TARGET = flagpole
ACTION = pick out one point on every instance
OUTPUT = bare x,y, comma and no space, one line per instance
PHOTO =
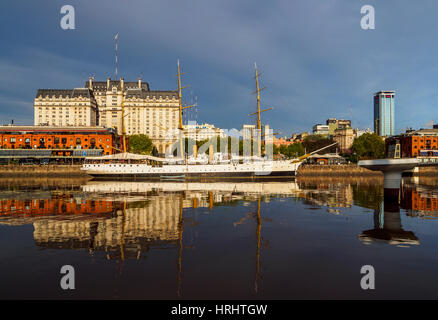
117,52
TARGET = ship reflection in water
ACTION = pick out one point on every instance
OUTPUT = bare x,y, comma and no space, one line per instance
218,240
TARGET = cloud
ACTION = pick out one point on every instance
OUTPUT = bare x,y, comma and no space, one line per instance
316,61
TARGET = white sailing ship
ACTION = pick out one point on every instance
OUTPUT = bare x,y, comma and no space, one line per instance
134,166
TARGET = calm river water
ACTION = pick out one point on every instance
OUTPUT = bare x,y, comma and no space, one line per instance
306,238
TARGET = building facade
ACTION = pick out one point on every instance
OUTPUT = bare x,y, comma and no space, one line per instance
321,129
65,107
282,142
153,113
384,116
60,144
345,138
359,132
413,144
334,124
199,132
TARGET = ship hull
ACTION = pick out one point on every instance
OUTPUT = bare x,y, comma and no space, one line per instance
279,175
261,171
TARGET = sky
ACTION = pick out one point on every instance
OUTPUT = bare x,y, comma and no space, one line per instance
316,60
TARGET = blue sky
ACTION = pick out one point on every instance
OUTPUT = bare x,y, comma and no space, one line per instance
315,59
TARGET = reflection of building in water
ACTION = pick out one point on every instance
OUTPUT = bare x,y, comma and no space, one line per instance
328,194
125,235
54,205
419,199
340,196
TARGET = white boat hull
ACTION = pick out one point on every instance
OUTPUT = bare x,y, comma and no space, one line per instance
252,170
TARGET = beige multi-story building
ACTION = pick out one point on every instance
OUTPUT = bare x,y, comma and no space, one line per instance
345,138
68,107
199,132
334,124
153,113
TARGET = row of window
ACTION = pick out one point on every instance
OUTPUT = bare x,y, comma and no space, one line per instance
55,140
19,146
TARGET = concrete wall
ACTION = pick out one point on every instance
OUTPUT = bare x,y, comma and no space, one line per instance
41,170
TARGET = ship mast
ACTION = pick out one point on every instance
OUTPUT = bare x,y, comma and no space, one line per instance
259,122
181,108
180,124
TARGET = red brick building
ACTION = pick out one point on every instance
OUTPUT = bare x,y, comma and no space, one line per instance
412,144
58,138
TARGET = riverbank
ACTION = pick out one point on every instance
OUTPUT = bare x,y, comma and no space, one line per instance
347,170
55,171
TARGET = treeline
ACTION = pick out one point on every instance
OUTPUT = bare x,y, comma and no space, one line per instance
367,146
311,143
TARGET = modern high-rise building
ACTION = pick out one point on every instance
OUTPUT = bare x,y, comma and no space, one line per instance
384,120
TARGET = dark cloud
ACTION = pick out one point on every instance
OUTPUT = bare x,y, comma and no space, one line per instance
316,60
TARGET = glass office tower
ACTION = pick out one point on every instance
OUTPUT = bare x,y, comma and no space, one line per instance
384,120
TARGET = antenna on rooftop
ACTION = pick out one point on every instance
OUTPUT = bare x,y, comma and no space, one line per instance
116,38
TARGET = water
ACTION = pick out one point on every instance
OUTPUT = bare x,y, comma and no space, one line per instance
307,238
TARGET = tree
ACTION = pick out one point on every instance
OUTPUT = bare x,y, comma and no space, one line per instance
293,150
155,151
315,141
140,144
369,146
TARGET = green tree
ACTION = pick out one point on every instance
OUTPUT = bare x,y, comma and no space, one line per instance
155,151
315,141
369,146
293,150
140,144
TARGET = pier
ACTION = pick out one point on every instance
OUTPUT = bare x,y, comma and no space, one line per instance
392,170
